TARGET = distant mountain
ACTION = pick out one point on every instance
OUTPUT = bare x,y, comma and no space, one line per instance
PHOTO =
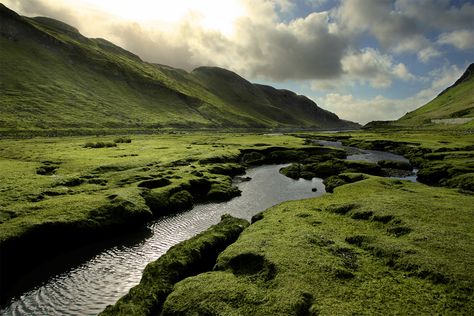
453,106
52,77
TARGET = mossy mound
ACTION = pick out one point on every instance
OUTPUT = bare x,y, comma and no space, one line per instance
274,155
394,164
329,168
345,178
188,258
378,246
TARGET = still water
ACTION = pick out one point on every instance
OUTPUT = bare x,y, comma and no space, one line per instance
370,156
88,287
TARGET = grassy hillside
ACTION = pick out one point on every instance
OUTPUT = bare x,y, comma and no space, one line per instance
55,78
452,108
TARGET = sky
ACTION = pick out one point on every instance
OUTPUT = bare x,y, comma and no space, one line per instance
361,59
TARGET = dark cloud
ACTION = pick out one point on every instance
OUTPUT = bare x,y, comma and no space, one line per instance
402,26
303,49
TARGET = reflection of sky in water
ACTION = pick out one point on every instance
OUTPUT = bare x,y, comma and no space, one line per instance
89,288
370,156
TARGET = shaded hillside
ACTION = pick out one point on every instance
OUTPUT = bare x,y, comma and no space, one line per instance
53,77
454,106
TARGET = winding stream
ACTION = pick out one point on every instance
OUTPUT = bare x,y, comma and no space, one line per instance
92,285
99,280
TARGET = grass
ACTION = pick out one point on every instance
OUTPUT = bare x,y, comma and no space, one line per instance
456,102
444,158
373,246
57,194
53,78
54,172
191,257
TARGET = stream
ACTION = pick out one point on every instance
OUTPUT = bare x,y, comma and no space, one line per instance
101,278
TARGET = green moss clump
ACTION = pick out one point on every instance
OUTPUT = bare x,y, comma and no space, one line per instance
187,258
228,169
121,211
329,168
292,171
123,140
182,200
222,192
335,181
99,144
253,158
464,182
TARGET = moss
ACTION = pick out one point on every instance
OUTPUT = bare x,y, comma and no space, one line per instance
292,171
411,253
155,183
100,144
345,178
228,169
46,170
187,258
122,140
222,192
464,182
329,168
253,158
69,181
182,200
364,215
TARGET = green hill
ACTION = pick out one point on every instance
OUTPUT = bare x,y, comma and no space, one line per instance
55,78
454,107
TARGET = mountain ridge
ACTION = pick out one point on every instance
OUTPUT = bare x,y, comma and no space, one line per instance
57,78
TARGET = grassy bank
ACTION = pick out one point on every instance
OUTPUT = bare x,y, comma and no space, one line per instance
373,247
444,158
58,193
191,257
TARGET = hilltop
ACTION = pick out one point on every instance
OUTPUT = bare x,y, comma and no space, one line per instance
55,78
452,108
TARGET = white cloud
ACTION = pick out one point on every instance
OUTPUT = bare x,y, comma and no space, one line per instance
428,53
364,110
348,107
461,39
376,68
440,78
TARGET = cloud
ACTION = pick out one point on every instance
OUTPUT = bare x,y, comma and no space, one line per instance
260,46
379,18
438,14
364,110
461,39
376,68
44,8
402,26
303,49
357,43
428,53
